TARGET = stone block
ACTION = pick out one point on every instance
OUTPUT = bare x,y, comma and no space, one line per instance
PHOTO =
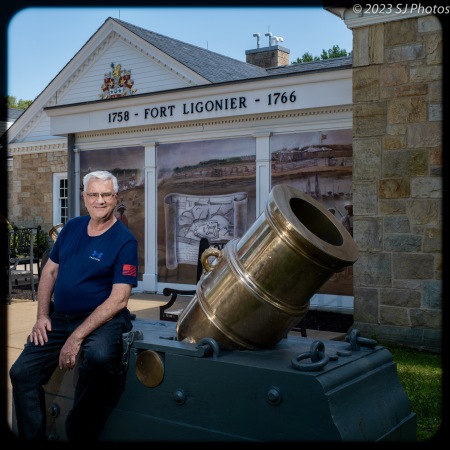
406,109
392,207
421,135
369,120
396,224
366,305
425,211
366,159
425,74
405,163
427,187
426,318
394,188
432,240
402,243
400,32
432,294
404,298
373,270
405,90
412,266
394,316
369,234
435,112
394,142
366,86
394,75
365,196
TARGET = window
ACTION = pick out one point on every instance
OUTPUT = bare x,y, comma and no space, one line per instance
60,198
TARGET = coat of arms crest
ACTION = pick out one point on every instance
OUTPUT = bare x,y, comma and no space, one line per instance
117,83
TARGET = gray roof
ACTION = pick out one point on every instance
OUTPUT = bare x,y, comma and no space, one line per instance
218,68
344,62
10,114
15,113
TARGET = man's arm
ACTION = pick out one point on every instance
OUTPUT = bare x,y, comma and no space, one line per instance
118,300
43,324
46,285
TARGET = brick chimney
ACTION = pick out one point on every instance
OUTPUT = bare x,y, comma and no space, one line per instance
267,57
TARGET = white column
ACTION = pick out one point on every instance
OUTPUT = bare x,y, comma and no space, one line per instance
150,276
263,169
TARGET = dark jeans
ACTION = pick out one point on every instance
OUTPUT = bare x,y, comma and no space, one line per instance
100,376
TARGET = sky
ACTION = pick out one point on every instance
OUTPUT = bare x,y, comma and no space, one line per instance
42,40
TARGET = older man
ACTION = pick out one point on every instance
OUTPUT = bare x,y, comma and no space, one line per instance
90,273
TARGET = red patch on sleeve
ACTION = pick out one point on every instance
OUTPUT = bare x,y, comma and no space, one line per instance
129,270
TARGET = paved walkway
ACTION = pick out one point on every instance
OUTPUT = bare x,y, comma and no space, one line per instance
21,315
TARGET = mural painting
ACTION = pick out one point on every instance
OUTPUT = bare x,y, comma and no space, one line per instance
208,189
127,164
205,189
320,164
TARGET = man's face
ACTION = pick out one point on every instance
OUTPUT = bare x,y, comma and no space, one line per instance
99,206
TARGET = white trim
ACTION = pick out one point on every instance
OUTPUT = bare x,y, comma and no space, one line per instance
263,169
292,121
150,276
49,145
57,177
378,13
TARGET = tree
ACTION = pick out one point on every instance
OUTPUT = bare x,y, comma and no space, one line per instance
333,52
12,102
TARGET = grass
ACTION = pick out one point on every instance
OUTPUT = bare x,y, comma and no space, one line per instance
421,375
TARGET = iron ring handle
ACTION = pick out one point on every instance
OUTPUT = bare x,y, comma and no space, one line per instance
210,345
317,355
356,340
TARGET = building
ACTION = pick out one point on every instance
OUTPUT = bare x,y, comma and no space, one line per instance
7,117
198,139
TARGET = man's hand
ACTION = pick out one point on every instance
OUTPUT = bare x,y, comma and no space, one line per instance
69,352
39,332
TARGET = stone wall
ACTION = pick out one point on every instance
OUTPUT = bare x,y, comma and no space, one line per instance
397,181
30,188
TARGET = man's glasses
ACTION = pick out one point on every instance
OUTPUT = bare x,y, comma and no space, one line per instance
96,195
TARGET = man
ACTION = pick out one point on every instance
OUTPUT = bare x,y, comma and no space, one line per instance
90,273
121,214
347,220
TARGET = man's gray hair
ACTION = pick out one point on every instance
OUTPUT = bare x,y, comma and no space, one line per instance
101,175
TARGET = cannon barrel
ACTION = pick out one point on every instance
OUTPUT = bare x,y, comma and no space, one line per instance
260,285
55,230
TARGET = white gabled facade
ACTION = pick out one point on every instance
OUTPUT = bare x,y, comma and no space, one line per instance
82,78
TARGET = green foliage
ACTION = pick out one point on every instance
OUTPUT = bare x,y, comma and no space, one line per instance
420,373
12,102
333,52
38,250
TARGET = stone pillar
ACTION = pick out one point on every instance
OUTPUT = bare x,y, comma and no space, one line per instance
397,179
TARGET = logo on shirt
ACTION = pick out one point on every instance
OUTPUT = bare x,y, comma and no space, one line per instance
96,255
129,270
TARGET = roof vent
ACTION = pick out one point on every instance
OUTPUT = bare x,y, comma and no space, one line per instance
273,40
258,39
